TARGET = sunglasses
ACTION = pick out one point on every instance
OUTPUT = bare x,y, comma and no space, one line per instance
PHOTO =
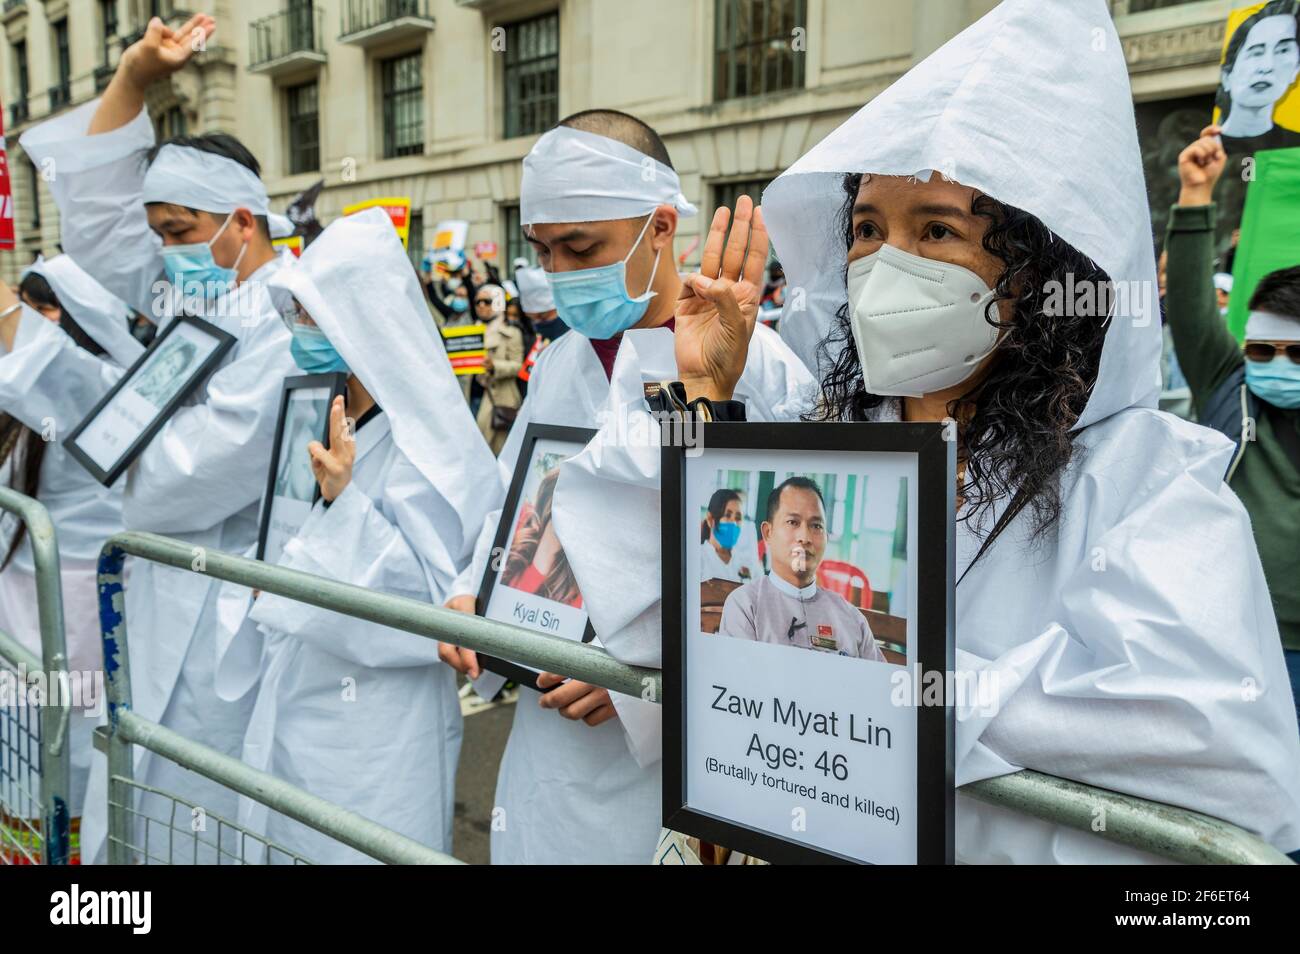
1264,351
483,301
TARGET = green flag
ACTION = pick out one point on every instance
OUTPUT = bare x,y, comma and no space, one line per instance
1270,229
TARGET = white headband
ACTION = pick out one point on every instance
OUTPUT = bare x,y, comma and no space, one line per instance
576,176
183,175
1265,326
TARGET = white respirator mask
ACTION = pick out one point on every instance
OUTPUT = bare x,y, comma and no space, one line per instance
919,325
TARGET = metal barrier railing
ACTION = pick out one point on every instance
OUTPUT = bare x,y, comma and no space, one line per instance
1164,830
34,743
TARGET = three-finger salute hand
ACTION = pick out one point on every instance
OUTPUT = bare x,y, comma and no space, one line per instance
332,467
718,306
162,50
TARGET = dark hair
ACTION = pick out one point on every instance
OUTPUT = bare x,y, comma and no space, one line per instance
560,583
1274,8
19,444
219,144
1016,437
37,290
1278,293
802,483
717,509
624,128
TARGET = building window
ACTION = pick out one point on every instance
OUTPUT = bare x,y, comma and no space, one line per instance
403,89
18,110
304,128
532,80
415,239
169,124
516,246
754,47
35,179
108,13
61,94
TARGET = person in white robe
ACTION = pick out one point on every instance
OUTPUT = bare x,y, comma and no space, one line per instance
1119,601
46,376
355,712
196,212
579,781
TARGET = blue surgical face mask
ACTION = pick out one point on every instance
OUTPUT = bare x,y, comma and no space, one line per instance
187,264
460,305
727,534
313,352
1276,381
594,301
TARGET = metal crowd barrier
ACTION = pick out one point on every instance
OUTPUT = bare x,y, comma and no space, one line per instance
1164,830
35,825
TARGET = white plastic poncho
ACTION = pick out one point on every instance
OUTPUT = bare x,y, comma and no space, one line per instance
47,381
1161,674
201,476
423,481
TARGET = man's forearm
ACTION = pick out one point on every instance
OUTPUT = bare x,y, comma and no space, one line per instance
121,103
1206,350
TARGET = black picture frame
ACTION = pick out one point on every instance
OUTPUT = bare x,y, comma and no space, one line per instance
336,382
516,672
935,639
108,476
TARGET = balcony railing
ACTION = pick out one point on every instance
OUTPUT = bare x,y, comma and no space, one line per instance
289,39
373,21
103,74
60,95
18,112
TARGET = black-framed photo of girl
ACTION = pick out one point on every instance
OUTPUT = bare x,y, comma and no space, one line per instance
529,581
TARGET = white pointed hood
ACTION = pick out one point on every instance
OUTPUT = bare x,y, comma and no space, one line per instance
356,282
100,313
1030,105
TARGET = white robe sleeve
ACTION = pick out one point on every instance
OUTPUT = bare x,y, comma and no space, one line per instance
614,483
209,460
353,541
97,183
1158,681
48,382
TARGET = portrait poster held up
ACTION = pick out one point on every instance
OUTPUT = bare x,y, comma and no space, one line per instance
291,489
808,718
126,419
1258,102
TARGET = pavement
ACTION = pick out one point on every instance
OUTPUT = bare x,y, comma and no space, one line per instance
487,726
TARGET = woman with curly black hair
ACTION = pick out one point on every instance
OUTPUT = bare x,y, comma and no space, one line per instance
974,246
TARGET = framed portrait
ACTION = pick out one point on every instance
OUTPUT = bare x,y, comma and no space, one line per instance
807,602
529,582
128,417
291,488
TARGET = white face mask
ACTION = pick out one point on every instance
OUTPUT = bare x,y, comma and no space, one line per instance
918,324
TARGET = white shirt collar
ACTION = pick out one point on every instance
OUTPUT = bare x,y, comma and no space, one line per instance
789,589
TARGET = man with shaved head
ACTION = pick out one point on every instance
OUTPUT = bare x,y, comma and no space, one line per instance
600,204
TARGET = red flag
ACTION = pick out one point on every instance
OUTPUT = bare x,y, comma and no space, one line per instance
6,193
